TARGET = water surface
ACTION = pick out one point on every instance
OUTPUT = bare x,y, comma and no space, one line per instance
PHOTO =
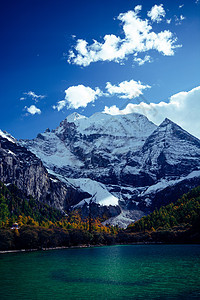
117,272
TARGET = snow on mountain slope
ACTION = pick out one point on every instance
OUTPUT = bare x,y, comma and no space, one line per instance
133,125
125,218
166,183
7,136
170,152
53,151
80,145
96,189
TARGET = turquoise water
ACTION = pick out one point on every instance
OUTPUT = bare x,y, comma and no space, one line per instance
117,272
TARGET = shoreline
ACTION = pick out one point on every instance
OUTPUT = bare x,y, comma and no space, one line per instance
77,247
47,249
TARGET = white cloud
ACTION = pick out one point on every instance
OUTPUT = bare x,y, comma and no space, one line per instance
22,98
168,21
138,37
141,61
156,13
180,6
179,20
126,89
78,96
183,108
138,8
33,95
33,110
60,105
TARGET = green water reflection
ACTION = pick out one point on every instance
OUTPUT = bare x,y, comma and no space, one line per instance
118,272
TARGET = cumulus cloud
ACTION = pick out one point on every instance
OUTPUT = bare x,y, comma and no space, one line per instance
33,110
180,6
33,95
139,37
156,13
78,96
126,89
183,108
141,61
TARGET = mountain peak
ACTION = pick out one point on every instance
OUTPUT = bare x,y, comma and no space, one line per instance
169,127
73,117
166,122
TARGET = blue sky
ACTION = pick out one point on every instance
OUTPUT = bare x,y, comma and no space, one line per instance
152,55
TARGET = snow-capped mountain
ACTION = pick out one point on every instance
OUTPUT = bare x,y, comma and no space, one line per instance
128,156
92,147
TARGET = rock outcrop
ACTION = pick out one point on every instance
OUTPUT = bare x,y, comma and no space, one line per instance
22,168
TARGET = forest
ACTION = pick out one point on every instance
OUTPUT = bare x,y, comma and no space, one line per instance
41,226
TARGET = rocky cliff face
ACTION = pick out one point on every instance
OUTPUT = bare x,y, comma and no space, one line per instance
22,168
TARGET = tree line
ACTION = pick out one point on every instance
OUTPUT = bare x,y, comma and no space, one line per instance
41,226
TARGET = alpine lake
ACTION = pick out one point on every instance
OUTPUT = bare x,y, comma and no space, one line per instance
113,272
